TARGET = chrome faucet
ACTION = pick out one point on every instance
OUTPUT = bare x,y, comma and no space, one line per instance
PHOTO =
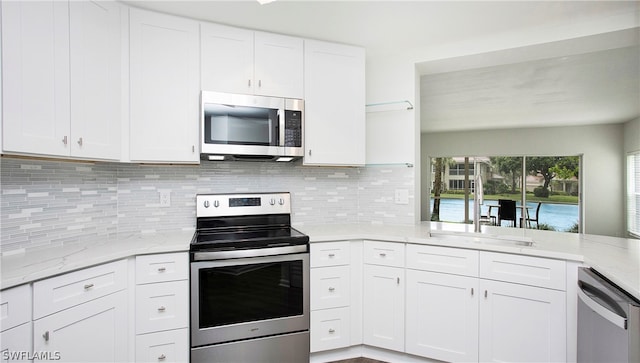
478,197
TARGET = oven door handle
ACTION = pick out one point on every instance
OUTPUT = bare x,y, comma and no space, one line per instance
259,252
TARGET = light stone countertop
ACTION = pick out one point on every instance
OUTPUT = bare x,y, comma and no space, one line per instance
21,267
616,258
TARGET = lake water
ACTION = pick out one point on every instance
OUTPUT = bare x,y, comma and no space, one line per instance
559,216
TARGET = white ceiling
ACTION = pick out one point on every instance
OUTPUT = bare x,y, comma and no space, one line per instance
533,86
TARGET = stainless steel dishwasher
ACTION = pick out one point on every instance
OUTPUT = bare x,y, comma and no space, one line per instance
608,321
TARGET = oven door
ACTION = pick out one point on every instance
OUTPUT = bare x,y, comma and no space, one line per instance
245,298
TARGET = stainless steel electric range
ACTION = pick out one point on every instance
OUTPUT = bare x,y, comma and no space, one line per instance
249,281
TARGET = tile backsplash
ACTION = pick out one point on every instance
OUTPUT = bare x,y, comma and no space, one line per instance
45,202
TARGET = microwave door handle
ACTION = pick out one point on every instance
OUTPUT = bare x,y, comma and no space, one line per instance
281,125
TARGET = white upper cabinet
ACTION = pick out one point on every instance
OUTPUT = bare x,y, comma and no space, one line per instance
334,90
96,83
227,58
243,61
164,88
61,78
35,71
279,65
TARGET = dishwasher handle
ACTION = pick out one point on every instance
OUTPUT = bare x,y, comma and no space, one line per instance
616,319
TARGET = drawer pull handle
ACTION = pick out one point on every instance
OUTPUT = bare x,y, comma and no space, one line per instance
332,255
88,286
485,294
331,331
46,336
332,289
162,269
472,291
162,309
382,254
162,357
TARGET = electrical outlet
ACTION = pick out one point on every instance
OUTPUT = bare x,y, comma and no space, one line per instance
402,196
165,198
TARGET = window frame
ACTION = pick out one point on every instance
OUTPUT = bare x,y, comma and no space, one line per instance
633,194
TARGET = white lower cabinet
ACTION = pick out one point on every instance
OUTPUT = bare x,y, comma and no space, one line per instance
383,310
162,308
164,346
15,323
16,343
442,316
469,315
94,331
82,316
521,323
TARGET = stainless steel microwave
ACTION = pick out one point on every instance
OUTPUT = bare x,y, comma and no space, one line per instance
245,127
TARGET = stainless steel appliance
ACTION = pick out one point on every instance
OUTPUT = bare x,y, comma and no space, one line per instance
608,321
249,281
246,127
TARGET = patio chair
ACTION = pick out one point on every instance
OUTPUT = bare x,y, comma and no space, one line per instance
507,211
536,219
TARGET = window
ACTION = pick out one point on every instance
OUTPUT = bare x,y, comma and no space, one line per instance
545,189
633,194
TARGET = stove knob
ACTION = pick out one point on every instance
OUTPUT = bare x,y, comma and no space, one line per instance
272,201
206,204
216,203
281,201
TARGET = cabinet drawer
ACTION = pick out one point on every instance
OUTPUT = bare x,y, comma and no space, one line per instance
162,306
15,306
384,253
330,254
64,291
330,329
162,267
330,287
525,270
455,261
166,346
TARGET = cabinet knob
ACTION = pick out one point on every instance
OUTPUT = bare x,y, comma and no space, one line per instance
65,140
46,336
472,291
259,83
88,286
332,255
332,289
382,254
249,84
485,294
80,142
162,357
331,331
162,269
162,309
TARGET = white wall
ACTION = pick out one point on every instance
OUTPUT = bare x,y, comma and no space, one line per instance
602,172
632,135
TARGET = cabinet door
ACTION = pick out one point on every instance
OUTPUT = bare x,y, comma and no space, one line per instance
278,65
442,316
96,95
227,59
334,89
521,323
164,67
91,332
15,343
35,72
383,307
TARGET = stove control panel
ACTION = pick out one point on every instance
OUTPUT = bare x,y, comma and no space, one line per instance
222,205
